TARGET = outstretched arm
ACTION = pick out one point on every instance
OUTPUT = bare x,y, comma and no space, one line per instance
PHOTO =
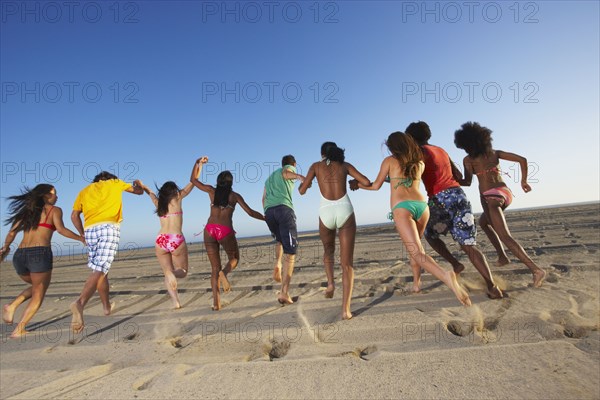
187,189
307,182
360,178
383,173
149,192
246,207
523,164
10,237
135,188
195,177
287,174
57,220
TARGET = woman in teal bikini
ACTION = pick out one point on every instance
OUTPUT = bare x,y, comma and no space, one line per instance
219,227
409,208
484,162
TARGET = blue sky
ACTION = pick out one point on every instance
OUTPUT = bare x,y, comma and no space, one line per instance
143,88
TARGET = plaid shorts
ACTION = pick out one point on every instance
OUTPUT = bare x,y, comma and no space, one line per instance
103,242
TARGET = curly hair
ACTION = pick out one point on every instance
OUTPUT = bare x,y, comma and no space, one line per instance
223,189
332,152
168,191
406,151
27,207
419,131
473,138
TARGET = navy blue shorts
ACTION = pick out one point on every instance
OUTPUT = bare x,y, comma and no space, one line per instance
32,259
281,221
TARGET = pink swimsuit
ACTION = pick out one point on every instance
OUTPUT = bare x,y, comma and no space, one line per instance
502,192
169,242
218,232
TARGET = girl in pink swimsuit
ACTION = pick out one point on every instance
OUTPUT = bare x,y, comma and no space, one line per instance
219,227
171,250
484,162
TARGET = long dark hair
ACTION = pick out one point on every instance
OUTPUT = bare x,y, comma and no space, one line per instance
168,191
223,190
332,152
407,152
27,207
475,139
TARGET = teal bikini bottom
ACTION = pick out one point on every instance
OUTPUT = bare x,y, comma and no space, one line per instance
415,207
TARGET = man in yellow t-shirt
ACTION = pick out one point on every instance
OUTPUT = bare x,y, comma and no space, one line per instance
101,204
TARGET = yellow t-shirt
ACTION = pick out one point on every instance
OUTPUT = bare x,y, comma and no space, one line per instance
101,202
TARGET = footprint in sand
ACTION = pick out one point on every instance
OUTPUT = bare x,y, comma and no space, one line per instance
143,383
279,349
368,353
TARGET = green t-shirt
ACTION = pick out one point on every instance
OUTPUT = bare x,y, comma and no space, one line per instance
279,190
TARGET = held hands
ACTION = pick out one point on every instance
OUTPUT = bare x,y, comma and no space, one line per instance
4,252
202,160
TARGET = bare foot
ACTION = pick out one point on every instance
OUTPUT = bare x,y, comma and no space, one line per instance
458,268
7,314
77,320
416,286
495,293
459,292
347,315
502,260
538,277
285,299
329,291
216,307
277,273
224,282
18,332
108,310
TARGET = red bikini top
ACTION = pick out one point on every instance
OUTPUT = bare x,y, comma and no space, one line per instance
45,224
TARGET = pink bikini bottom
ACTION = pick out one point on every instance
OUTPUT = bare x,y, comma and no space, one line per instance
169,242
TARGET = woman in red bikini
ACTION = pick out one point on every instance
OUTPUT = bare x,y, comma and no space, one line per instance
171,250
484,162
33,258
219,227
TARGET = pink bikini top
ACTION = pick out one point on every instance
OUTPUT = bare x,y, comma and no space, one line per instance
172,214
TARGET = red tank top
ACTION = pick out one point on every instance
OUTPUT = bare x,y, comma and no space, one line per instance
438,172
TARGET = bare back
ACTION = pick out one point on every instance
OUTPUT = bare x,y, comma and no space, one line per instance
487,170
222,215
41,236
331,178
172,222
401,187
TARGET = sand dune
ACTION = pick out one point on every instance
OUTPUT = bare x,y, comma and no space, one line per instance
534,344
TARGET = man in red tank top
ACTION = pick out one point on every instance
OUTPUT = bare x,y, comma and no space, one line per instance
450,210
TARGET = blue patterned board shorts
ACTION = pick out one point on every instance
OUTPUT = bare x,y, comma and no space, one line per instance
103,242
450,211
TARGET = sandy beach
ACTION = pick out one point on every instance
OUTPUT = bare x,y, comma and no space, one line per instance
536,343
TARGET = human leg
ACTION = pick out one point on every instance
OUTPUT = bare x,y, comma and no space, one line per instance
288,269
212,250
347,235
8,310
328,239
179,258
278,262
494,239
230,245
166,264
90,286
407,229
39,284
480,262
496,215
